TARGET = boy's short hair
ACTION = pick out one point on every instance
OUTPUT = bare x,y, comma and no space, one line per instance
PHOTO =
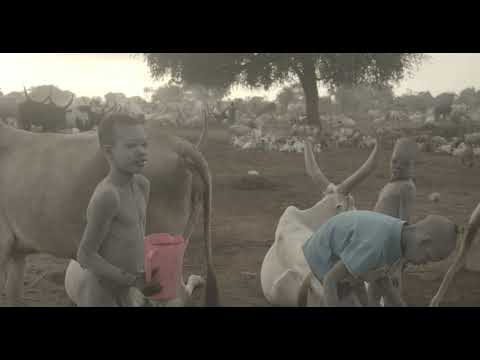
106,128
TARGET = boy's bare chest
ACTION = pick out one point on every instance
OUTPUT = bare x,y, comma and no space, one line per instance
395,189
132,209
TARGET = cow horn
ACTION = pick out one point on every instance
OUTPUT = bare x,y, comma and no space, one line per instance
201,141
69,103
312,167
50,95
361,174
26,94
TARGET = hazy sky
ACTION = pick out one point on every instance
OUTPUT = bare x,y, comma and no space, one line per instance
97,74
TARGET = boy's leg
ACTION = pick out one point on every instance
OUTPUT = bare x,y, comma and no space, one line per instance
374,293
361,292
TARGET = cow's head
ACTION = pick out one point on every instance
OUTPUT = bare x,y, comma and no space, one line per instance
46,113
337,198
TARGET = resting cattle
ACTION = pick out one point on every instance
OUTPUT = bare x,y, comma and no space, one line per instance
284,267
47,180
45,114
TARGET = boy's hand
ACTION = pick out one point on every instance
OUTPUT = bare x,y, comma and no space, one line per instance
147,289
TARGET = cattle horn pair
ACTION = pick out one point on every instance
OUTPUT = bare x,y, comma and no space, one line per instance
347,185
30,99
49,97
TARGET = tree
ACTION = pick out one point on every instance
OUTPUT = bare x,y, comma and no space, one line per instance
266,69
168,94
468,96
420,102
115,98
443,104
361,98
285,97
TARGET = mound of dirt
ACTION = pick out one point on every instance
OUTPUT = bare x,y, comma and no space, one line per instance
254,182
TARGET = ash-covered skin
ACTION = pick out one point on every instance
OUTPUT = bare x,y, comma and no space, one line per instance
429,240
111,251
397,199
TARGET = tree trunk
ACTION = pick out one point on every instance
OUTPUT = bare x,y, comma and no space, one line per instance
308,79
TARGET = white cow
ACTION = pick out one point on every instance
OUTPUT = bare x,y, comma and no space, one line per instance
284,267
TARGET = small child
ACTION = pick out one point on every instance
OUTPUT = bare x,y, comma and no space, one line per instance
357,246
397,198
111,253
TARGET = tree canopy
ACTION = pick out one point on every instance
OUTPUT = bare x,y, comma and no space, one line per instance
256,70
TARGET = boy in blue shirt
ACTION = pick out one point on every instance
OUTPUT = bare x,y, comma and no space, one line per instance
357,246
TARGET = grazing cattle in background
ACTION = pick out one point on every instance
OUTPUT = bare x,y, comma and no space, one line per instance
284,267
88,118
48,115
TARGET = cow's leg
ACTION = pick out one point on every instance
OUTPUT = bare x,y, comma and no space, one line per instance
397,283
16,272
374,294
285,289
361,295
6,245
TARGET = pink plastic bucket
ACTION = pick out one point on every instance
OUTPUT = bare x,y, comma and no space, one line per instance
165,253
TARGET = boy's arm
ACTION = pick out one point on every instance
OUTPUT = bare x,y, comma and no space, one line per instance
145,186
331,280
103,209
407,202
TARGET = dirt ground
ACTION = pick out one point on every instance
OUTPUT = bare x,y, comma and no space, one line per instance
244,219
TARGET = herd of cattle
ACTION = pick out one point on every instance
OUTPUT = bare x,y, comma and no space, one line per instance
52,117
179,202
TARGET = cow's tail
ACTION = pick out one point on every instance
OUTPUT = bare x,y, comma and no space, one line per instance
198,162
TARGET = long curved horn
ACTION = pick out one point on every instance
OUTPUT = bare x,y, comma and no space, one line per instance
361,174
203,137
49,97
459,261
312,167
26,94
69,103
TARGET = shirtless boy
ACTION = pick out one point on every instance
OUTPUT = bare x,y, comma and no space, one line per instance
357,246
111,253
397,199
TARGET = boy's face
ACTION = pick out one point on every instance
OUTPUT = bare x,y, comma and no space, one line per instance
129,151
400,166
435,244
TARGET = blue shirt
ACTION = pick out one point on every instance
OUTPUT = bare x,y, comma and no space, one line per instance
363,240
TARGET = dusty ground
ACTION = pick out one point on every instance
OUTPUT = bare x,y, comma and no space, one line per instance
244,219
